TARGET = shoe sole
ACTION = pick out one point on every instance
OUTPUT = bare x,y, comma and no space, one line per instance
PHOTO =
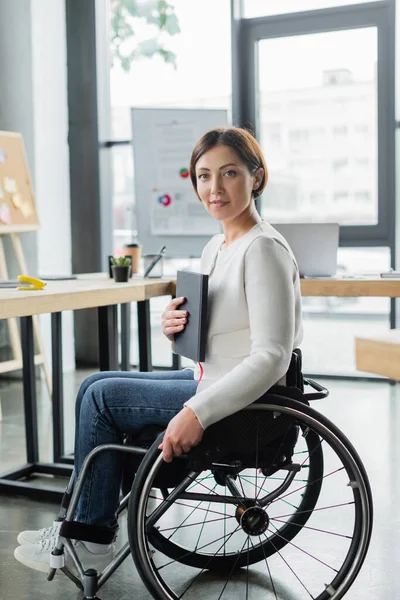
31,564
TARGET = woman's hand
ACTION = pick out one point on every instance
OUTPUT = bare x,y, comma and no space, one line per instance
183,432
173,320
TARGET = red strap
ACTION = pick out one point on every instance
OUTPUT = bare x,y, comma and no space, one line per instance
201,371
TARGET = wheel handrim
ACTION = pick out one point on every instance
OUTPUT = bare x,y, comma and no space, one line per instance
353,542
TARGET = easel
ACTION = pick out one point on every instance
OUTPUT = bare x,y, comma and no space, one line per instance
17,215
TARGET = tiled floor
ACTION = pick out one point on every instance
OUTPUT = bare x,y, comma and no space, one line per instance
369,414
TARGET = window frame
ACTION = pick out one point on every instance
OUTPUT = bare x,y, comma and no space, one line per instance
246,33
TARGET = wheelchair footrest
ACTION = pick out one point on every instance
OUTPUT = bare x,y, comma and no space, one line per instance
87,533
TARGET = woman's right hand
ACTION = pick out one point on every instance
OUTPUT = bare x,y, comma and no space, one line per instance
173,320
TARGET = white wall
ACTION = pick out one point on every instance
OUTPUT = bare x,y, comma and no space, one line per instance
33,100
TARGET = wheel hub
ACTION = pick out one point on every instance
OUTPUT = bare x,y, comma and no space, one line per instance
253,520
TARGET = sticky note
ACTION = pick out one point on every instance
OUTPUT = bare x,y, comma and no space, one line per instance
5,214
3,155
10,185
26,210
17,200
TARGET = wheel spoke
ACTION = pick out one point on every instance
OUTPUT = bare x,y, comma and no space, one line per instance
342,535
302,550
267,492
292,570
176,503
189,552
202,526
232,570
195,524
209,561
311,483
257,435
269,570
189,515
198,480
299,512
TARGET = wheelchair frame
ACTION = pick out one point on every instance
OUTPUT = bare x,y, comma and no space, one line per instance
89,581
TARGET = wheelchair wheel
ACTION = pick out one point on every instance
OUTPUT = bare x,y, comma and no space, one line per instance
306,522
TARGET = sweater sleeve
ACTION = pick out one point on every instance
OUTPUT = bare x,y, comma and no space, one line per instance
269,276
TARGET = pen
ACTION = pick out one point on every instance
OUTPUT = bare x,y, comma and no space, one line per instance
154,261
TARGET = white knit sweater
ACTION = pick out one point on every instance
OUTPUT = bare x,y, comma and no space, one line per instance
254,321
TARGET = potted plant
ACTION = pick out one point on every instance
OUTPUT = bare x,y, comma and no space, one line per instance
121,266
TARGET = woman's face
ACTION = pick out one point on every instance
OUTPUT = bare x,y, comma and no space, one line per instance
225,184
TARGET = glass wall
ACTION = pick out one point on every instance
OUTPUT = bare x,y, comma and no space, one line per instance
318,129
317,116
267,8
191,70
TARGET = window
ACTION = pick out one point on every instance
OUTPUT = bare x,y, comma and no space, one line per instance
265,8
197,74
340,130
333,323
339,197
321,105
364,197
317,198
273,133
340,164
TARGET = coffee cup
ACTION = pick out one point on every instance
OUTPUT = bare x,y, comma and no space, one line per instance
133,250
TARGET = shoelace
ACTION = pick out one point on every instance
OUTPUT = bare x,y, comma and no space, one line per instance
48,545
49,531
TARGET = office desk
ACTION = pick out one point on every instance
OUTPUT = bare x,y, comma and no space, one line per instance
351,287
97,290
88,291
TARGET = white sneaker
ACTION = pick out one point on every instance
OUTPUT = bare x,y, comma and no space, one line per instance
32,537
37,556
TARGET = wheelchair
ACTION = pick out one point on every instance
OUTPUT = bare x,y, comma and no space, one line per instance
274,501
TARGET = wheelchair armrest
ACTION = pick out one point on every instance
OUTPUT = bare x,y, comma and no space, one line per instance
321,391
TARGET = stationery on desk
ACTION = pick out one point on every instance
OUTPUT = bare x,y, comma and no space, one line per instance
391,275
32,283
157,257
191,342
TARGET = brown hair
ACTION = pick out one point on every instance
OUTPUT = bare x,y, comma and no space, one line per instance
241,141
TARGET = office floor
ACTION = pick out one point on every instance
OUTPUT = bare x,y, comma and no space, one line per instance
369,414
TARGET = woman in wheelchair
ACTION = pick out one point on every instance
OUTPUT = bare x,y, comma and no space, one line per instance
247,466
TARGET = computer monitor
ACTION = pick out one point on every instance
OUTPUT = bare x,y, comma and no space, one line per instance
314,246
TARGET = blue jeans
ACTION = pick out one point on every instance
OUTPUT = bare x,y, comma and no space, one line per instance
110,404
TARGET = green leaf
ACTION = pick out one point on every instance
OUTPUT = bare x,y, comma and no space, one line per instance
159,13
168,57
120,261
172,25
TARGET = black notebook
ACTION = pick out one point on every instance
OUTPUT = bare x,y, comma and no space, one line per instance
191,342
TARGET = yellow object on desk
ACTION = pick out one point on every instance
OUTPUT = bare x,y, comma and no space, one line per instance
34,283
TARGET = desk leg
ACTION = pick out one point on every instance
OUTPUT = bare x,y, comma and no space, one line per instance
29,383
108,338
57,383
144,335
125,337
10,481
176,358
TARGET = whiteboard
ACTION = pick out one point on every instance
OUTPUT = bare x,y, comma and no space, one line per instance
168,211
